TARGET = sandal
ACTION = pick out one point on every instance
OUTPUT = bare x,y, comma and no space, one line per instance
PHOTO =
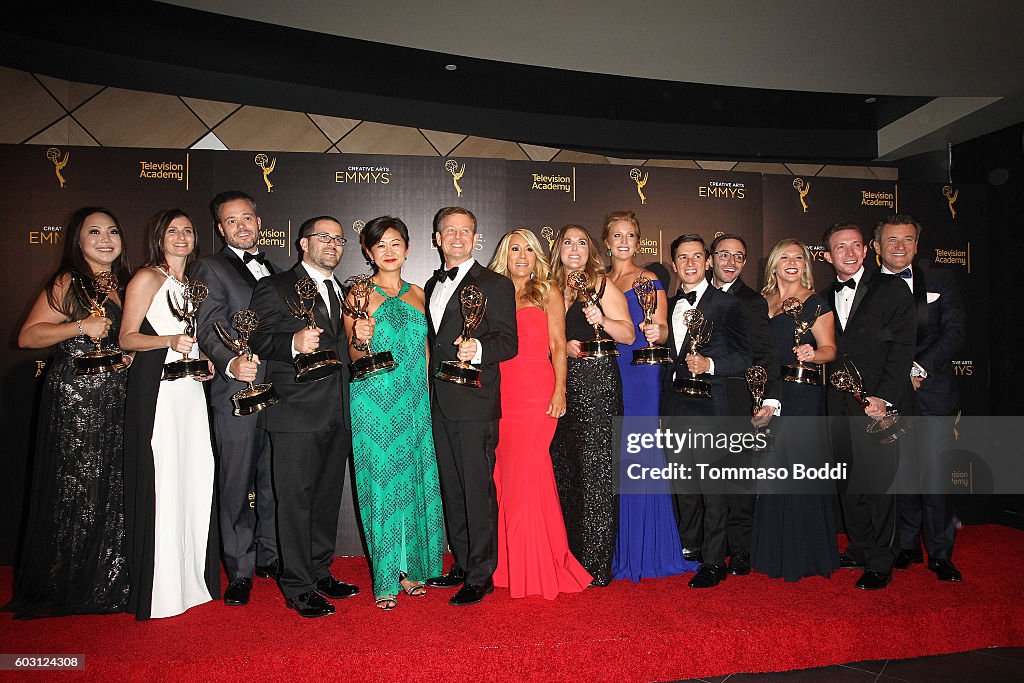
386,603
417,590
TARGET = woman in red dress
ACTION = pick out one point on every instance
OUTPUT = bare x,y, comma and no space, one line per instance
533,551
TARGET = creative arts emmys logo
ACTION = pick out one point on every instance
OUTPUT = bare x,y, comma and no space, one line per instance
640,179
267,166
803,187
53,154
452,167
951,195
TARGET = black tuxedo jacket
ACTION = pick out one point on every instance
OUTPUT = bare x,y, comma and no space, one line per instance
497,334
304,406
941,333
230,284
879,339
762,348
728,347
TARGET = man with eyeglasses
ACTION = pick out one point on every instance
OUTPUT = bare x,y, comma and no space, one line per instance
248,532
309,426
728,257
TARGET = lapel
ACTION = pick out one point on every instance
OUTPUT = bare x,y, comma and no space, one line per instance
320,312
239,265
703,305
921,301
830,298
858,296
428,291
737,288
453,312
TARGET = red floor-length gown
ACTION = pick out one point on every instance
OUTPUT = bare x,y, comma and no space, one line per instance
533,551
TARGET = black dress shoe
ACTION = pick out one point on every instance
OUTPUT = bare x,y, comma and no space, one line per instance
873,581
905,558
470,594
739,564
847,562
691,554
269,571
237,592
310,605
945,571
330,587
708,576
456,576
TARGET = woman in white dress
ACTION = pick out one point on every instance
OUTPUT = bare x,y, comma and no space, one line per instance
171,527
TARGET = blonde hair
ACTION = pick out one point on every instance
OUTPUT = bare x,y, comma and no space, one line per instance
615,217
538,286
594,268
771,282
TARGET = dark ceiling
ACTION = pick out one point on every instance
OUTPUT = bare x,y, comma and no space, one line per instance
166,48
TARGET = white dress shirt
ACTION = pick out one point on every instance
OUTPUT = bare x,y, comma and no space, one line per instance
442,294
258,270
679,327
844,298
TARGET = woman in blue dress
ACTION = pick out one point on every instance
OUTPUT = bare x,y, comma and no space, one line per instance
648,539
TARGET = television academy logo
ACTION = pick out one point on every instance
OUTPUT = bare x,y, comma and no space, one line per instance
951,194
53,154
803,187
266,164
548,234
641,180
452,166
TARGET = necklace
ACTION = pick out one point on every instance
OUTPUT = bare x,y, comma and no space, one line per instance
167,274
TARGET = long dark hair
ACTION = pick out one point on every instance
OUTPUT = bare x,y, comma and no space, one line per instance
156,228
73,264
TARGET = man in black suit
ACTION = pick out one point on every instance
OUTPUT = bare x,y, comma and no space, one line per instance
248,532
941,333
309,427
465,419
874,336
728,258
703,513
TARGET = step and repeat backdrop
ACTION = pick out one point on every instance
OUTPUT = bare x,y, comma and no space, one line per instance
42,186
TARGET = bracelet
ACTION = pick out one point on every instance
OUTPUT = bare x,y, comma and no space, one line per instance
78,324
360,345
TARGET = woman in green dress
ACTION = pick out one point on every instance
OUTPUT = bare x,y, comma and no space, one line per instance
392,445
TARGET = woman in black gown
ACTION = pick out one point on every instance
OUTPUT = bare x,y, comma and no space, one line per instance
794,534
73,560
582,448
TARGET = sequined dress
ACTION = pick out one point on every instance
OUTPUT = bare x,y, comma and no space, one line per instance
582,453
73,560
393,450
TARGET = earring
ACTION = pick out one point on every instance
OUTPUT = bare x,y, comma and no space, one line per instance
609,252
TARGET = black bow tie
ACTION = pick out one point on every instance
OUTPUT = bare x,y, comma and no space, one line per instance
689,296
844,283
258,256
441,274
905,274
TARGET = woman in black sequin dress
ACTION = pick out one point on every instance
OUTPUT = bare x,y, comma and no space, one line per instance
73,559
582,451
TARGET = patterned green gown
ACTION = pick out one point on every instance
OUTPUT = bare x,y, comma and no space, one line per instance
393,449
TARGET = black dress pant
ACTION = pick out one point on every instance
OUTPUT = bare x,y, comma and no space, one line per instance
309,473
248,528
465,465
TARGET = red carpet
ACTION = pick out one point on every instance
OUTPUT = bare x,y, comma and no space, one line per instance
658,630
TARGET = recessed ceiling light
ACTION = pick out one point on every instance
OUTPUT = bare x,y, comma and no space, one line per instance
870,100
450,67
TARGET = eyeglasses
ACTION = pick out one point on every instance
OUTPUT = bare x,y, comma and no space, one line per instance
326,237
726,255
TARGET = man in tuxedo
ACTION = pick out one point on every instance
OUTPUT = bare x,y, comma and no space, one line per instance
309,427
728,258
703,513
248,531
875,338
465,419
941,332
